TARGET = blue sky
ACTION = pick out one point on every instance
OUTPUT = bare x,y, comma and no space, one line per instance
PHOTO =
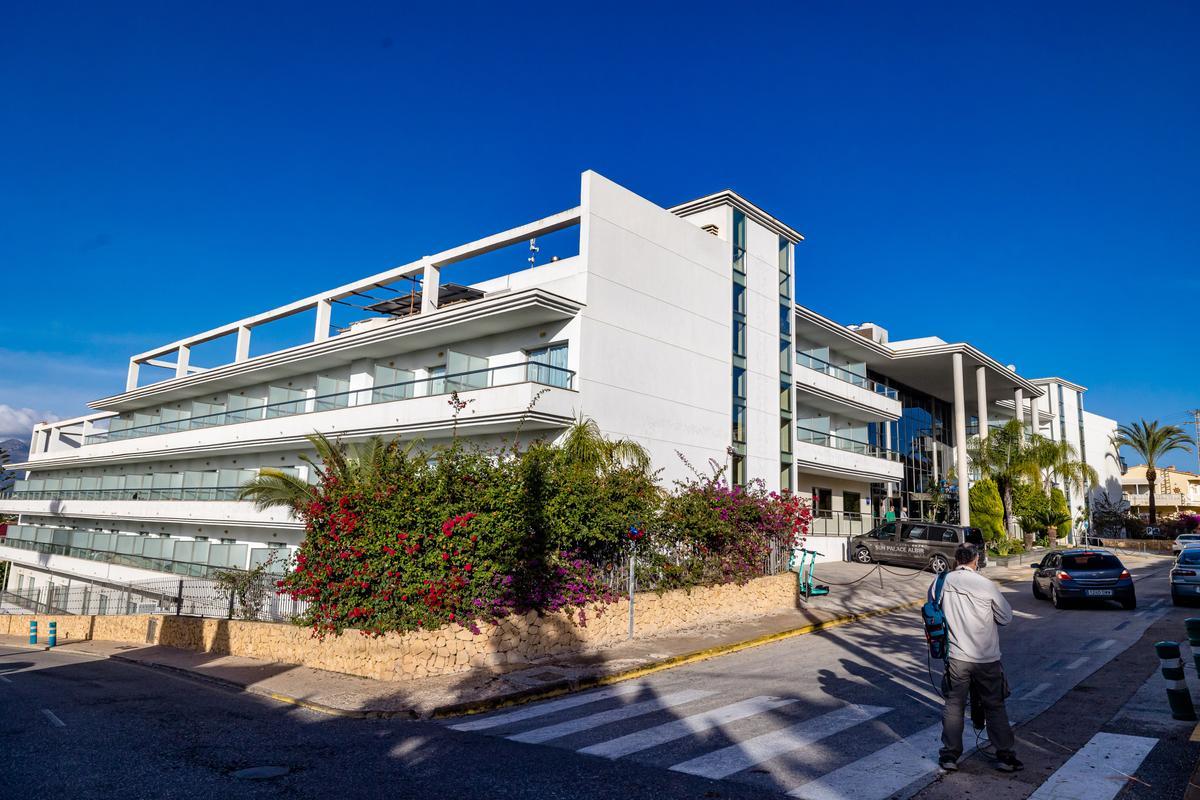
1020,176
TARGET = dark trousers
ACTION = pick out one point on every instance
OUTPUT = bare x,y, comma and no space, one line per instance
988,684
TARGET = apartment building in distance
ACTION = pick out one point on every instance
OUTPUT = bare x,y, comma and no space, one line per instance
680,328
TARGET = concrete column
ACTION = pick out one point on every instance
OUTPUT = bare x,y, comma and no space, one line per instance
131,379
362,379
981,390
1019,401
242,353
960,442
321,330
1035,414
887,444
182,357
430,283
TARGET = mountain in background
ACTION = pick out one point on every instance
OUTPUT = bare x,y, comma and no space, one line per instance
17,450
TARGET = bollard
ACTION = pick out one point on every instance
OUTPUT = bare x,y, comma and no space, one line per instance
53,638
1177,692
33,631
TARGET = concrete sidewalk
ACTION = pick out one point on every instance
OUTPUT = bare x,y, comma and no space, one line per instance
856,592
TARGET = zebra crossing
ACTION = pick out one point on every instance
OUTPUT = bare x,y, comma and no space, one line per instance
798,747
758,739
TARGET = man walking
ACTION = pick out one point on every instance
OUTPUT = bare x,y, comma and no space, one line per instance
974,608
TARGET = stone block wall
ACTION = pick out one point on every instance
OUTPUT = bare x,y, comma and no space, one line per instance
515,641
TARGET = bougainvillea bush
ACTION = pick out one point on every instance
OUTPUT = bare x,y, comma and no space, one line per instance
400,538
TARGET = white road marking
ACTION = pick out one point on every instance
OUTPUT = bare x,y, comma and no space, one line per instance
4,679
743,755
1096,771
551,707
538,735
1024,615
1077,663
697,723
883,773
55,721
1107,643
1035,691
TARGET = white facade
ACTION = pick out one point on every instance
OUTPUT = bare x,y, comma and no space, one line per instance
674,327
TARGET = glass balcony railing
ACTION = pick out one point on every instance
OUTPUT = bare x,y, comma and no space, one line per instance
197,493
826,439
201,559
843,374
826,522
526,372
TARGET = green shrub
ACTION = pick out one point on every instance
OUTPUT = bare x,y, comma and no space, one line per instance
987,509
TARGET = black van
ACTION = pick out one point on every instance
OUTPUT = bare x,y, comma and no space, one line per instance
916,544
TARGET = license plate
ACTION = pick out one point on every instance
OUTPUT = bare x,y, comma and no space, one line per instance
1098,592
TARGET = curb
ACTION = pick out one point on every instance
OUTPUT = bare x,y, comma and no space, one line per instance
568,687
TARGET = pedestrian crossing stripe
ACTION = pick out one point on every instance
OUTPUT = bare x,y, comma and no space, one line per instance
550,707
584,723
688,726
1098,771
880,774
743,755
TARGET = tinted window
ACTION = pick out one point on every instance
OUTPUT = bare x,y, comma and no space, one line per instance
916,533
886,531
949,535
1189,557
1091,561
974,536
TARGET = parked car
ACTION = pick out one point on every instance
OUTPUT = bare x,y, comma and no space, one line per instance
1185,577
1185,540
916,544
1064,576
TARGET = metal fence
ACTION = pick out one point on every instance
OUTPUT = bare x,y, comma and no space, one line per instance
194,598
650,577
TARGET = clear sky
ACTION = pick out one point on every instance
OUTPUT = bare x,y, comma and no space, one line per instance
1021,176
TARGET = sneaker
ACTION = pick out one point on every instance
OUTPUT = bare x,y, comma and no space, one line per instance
1007,761
948,764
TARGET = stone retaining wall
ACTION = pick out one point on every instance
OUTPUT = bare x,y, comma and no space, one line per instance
516,640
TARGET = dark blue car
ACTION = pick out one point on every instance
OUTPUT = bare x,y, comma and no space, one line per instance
1066,576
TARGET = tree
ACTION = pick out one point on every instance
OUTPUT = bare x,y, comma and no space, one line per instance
1109,515
987,510
585,446
1060,458
1061,511
1050,519
1009,459
1151,441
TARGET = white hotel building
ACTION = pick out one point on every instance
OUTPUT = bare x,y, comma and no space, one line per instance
678,328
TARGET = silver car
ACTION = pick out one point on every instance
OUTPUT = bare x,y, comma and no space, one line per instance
1185,577
1184,541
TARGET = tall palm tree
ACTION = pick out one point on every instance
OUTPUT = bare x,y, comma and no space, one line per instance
1151,441
584,445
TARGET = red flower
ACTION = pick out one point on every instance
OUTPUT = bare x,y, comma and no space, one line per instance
467,568
445,556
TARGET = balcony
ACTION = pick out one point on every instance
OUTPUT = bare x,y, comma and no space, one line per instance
26,544
1161,499
840,523
495,400
218,507
823,453
833,388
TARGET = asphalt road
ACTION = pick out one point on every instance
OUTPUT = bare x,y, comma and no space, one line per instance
847,713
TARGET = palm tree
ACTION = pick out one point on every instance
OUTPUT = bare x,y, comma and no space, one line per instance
273,487
1151,441
1050,519
1007,458
1060,458
585,446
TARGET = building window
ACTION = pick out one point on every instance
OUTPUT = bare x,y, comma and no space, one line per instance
822,502
738,346
851,503
391,384
785,477
548,365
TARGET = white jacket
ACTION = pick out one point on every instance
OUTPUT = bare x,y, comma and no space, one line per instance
974,608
